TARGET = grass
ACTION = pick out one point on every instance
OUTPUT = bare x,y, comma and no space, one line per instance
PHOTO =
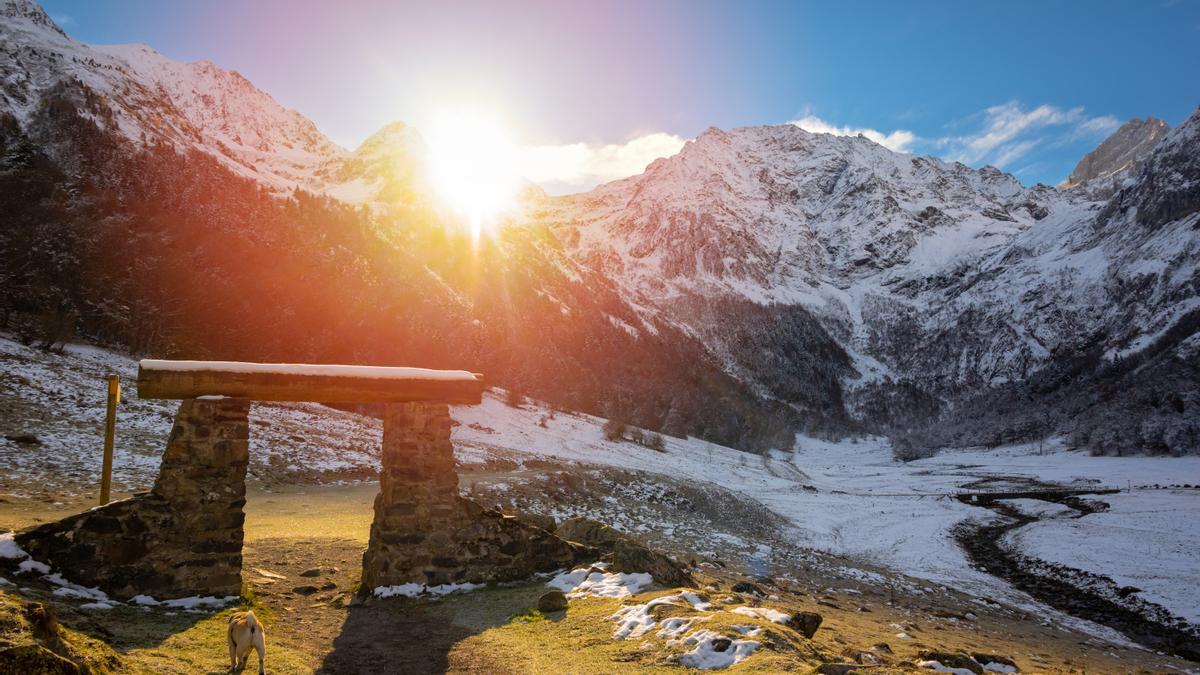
31,644
201,647
529,615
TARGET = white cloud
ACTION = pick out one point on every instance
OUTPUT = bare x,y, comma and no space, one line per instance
1008,131
899,140
579,166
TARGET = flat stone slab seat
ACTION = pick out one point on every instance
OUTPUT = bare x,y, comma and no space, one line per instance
184,537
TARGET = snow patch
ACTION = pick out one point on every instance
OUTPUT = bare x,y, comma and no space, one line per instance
705,656
9,549
28,566
413,590
772,615
583,582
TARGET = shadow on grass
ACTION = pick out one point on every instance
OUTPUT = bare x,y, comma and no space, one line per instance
418,636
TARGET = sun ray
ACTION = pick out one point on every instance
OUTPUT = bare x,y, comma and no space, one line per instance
473,166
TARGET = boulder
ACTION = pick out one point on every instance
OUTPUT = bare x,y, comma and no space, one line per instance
588,532
543,521
23,439
985,659
951,660
748,588
631,556
552,601
806,623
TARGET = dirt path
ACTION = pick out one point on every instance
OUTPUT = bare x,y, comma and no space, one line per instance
1074,591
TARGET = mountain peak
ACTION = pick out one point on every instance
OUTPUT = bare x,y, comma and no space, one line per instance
1127,146
30,11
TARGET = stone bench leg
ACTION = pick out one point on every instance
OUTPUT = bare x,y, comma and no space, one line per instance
184,537
424,532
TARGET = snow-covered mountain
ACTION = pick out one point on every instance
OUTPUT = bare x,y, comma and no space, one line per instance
153,98
918,282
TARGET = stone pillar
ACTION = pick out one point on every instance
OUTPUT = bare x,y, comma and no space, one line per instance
424,532
182,538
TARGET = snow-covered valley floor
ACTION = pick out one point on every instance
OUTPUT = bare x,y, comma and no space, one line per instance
845,498
851,498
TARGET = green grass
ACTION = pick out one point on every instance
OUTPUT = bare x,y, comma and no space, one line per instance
529,615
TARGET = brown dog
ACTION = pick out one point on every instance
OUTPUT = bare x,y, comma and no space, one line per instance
245,632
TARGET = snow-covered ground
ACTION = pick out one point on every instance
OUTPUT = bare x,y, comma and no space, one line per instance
60,400
852,498
847,498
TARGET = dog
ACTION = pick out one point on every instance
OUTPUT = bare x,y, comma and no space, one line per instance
245,632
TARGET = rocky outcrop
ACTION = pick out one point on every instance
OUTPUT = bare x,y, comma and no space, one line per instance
184,537
632,556
425,533
1120,152
588,532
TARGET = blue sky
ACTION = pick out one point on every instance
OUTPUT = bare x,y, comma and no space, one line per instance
1027,86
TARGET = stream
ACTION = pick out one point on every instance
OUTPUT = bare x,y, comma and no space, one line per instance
1077,592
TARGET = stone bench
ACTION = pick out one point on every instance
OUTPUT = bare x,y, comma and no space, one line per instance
184,537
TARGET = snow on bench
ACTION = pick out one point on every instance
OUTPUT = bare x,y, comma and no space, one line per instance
325,383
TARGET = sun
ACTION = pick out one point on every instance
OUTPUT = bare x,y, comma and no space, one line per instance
473,163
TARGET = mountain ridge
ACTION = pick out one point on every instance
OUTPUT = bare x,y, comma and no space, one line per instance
763,280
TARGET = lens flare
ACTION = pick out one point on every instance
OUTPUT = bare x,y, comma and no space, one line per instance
473,165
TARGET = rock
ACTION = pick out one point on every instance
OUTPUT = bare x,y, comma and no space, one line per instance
747,588
42,620
631,556
23,439
806,623
1120,152
838,668
328,586
721,644
545,522
311,572
985,659
951,660
305,590
588,532
552,601
882,648
869,658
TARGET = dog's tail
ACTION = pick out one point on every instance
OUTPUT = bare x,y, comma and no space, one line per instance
252,621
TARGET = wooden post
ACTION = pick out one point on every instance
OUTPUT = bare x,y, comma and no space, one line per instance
110,428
